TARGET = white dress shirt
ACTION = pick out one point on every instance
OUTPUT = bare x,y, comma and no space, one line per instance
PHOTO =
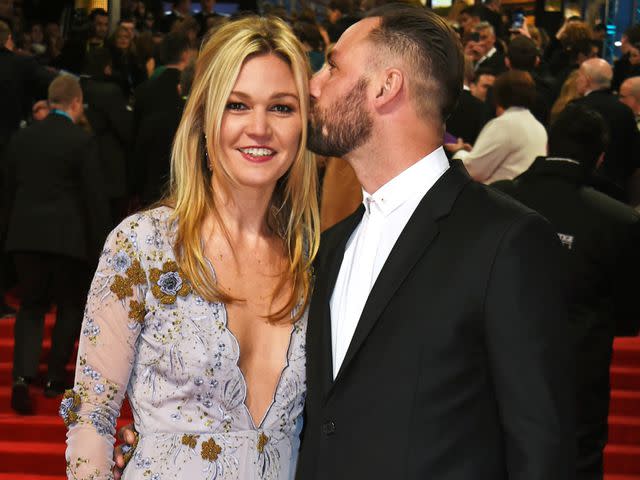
506,146
387,212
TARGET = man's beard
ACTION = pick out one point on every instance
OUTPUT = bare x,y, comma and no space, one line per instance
343,126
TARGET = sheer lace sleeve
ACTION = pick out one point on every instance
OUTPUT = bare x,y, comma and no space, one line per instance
112,321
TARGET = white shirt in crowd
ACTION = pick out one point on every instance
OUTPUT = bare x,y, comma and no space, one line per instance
387,212
506,146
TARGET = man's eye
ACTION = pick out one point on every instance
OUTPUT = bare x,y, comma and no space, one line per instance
282,109
236,106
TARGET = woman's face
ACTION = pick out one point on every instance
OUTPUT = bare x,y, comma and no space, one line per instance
634,55
261,126
123,40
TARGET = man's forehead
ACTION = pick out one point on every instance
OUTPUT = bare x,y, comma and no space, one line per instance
354,35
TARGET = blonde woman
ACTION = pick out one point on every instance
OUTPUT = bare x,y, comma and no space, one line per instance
198,307
568,93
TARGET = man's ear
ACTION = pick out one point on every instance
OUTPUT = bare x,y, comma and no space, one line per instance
507,63
390,84
600,160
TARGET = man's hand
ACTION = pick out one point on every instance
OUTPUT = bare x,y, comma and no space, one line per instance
124,451
453,148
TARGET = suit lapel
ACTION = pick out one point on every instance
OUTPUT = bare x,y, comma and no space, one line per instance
413,242
320,312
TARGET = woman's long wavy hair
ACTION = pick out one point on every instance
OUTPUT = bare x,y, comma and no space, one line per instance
293,212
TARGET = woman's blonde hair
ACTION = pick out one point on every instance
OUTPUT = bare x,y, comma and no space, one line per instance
293,212
568,93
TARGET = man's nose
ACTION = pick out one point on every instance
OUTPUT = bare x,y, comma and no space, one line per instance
315,85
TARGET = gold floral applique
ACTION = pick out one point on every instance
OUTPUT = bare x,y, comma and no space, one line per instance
190,440
123,286
137,311
262,442
69,407
168,283
210,450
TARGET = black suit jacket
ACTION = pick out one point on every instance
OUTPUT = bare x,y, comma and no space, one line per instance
622,156
494,63
156,95
459,367
54,192
152,153
601,238
22,80
112,124
468,118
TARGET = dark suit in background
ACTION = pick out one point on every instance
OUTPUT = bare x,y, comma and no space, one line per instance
601,238
22,80
152,153
157,94
468,118
112,125
57,220
622,157
460,366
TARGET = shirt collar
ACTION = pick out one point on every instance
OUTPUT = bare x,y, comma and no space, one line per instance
417,179
489,54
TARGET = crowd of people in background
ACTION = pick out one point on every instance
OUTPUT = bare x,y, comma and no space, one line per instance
133,81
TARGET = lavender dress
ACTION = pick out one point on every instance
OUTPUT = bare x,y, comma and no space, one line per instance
147,332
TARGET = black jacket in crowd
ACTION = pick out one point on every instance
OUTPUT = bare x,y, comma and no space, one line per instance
468,118
112,125
602,260
53,191
22,80
622,156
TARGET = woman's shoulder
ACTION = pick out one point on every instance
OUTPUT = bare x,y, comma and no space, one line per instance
148,228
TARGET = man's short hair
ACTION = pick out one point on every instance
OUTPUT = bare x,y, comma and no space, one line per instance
344,6
97,12
63,90
514,88
472,11
522,53
484,26
430,49
173,46
97,60
483,71
5,33
578,133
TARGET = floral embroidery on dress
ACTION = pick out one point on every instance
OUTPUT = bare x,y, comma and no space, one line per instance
168,283
137,311
262,441
123,286
210,450
69,407
190,440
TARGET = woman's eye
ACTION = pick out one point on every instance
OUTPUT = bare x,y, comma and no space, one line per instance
236,106
282,108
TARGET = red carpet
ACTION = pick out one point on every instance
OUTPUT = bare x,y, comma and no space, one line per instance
32,448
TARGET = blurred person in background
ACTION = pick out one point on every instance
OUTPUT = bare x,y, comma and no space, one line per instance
508,144
112,125
600,237
73,54
622,156
57,219
630,95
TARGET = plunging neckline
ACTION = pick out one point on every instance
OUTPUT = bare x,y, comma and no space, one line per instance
225,314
